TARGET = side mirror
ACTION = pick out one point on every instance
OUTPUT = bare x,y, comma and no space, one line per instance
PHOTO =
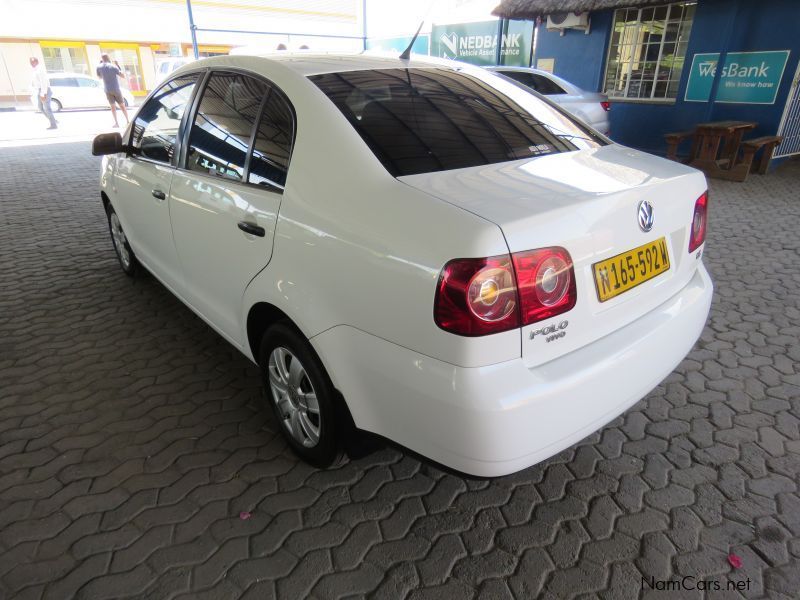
107,143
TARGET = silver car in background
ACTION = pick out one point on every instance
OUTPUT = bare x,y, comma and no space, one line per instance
591,107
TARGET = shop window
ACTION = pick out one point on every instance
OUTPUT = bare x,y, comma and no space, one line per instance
65,59
128,60
647,51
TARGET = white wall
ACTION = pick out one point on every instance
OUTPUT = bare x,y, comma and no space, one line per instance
15,68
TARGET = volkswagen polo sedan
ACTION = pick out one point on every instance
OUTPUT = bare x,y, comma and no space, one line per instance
415,248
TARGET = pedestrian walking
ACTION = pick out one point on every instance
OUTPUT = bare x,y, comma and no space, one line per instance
110,73
40,84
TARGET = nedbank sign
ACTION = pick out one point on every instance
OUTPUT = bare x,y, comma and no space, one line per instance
746,77
476,43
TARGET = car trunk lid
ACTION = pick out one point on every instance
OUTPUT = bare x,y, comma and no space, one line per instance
587,202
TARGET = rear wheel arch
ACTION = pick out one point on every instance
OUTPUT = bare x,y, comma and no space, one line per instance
264,315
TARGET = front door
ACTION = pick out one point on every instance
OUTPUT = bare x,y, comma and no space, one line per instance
143,179
790,124
224,205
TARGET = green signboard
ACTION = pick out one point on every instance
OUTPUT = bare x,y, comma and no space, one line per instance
746,78
476,43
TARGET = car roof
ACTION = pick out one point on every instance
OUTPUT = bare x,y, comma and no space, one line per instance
306,63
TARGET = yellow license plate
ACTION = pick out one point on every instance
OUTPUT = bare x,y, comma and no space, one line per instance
625,271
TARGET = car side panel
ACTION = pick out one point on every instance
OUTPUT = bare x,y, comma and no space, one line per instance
217,258
354,246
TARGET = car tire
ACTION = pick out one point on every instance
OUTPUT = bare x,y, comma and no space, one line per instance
127,259
56,105
293,376
125,102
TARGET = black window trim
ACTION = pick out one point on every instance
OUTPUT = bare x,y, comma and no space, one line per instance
185,130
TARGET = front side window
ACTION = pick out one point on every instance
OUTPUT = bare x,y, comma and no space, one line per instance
220,135
64,82
156,126
647,51
434,119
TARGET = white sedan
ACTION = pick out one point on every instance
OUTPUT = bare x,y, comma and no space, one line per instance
415,248
75,90
591,107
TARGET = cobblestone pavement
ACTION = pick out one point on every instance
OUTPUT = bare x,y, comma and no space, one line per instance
132,437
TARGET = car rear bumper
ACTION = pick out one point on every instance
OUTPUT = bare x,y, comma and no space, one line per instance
495,420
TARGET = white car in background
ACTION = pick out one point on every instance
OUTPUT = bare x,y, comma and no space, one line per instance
75,90
169,65
417,248
591,107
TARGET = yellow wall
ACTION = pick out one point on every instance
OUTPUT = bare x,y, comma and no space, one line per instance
15,69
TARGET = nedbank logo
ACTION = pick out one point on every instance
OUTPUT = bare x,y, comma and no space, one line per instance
454,45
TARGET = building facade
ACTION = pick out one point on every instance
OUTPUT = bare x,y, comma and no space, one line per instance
142,34
669,66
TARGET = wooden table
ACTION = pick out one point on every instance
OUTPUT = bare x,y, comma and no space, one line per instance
715,150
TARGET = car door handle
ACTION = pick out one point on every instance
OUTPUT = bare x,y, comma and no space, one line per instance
159,194
251,229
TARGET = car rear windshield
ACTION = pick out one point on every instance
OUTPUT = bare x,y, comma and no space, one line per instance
423,120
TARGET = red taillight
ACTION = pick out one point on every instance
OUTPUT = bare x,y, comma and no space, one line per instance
546,282
479,296
697,235
606,105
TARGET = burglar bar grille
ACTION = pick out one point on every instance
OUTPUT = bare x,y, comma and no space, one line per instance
790,124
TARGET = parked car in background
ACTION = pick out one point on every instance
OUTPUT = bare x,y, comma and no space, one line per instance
76,90
168,65
417,248
591,107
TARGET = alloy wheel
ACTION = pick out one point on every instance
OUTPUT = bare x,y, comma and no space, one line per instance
294,396
120,241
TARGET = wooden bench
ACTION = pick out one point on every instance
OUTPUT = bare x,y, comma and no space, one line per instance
751,147
674,140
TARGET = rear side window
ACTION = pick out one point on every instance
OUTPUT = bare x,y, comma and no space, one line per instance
220,135
546,86
540,83
272,146
432,119
156,126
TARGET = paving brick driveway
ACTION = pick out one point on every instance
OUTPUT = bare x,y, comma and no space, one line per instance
132,437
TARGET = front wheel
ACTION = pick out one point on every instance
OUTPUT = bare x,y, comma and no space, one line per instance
55,105
302,396
127,259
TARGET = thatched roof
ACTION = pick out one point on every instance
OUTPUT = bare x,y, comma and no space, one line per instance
530,9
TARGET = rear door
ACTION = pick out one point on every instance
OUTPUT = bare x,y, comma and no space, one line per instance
224,202
65,90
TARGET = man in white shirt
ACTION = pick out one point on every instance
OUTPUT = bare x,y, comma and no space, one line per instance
40,84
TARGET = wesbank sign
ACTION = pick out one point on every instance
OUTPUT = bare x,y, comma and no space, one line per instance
476,43
746,77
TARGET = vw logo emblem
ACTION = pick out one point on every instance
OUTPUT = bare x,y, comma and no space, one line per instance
646,217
